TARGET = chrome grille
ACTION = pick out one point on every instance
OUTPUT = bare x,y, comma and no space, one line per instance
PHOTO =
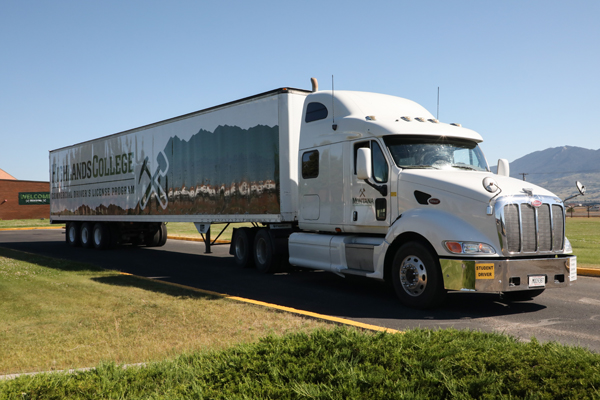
528,230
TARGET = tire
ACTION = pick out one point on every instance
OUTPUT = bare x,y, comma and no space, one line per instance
72,234
86,235
521,295
101,236
153,238
265,259
242,247
417,277
163,235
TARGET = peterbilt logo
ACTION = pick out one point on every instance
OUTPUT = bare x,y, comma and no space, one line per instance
536,203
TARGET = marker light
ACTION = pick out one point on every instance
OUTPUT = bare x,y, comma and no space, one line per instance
568,247
468,248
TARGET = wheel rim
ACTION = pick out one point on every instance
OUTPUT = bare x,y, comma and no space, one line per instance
72,234
97,237
413,276
84,235
261,251
240,249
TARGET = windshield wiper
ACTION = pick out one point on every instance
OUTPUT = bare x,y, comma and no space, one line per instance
416,166
467,167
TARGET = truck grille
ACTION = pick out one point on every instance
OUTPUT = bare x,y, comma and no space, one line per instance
527,229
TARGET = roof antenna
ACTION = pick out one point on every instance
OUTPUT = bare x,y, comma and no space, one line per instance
334,126
438,105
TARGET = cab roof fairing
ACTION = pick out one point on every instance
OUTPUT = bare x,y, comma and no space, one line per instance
350,109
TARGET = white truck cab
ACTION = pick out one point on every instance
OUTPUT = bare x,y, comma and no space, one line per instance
387,191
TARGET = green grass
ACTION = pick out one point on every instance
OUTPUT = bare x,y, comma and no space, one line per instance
24,223
584,235
343,364
57,314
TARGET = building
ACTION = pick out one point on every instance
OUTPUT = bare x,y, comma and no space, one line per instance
23,199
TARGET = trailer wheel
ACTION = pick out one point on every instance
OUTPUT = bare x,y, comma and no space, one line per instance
264,256
72,234
86,234
101,236
163,235
241,247
417,276
152,238
521,295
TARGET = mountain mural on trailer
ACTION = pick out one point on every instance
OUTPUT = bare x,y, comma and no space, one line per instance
228,171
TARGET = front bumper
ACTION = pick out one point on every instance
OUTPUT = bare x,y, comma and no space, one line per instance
506,275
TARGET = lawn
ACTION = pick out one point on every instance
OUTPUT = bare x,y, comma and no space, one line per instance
584,235
57,314
25,223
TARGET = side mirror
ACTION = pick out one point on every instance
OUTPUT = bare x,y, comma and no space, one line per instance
581,190
363,163
503,167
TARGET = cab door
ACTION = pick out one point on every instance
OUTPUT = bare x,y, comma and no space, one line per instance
370,199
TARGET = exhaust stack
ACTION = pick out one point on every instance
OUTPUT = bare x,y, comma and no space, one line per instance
315,84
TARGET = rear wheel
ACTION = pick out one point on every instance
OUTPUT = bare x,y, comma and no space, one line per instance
152,238
163,235
241,247
85,234
521,295
264,255
72,234
417,276
101,236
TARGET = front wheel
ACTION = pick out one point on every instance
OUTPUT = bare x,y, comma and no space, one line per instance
417,276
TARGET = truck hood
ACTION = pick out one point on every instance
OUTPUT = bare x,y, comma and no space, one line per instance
468,184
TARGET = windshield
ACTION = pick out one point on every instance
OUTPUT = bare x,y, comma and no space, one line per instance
437,152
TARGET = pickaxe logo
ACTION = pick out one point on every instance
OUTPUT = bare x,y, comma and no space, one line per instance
154,186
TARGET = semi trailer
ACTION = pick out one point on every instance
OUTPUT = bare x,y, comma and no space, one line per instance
353,183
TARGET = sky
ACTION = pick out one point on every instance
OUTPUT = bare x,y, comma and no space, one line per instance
524,74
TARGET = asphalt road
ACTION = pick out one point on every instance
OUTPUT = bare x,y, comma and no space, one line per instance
569,316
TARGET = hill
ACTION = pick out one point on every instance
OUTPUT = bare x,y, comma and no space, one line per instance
557,169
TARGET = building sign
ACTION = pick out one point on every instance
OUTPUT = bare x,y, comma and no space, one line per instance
29,198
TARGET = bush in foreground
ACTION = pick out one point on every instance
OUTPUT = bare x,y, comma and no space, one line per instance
343,364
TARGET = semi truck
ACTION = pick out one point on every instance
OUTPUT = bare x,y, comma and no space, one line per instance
354,183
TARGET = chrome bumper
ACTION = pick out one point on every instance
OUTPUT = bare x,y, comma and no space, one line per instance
507,275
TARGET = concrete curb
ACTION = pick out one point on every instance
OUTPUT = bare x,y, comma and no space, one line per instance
195,239
62,371
32,228
588,272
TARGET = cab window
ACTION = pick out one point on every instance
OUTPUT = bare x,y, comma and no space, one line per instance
315,112
310,164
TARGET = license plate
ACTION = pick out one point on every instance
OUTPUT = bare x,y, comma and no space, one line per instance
537,281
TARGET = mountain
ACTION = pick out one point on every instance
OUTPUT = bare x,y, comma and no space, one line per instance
557,169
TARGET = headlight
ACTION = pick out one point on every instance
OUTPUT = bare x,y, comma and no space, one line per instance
568,247
468,248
